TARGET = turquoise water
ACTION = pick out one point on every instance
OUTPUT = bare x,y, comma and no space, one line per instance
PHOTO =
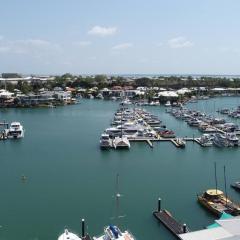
69,177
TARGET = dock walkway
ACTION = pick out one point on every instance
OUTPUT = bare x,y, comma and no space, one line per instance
170,223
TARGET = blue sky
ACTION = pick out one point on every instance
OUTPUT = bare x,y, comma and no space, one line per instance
127,36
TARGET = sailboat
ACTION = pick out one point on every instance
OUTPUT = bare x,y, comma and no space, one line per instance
68,236
113,232
217,202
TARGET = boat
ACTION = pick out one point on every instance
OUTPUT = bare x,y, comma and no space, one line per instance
154,103
105,141
167,104
215,201
232,139
121,142
167,134
206,140
112,232
180,142
236,186
68,236
194,122
220,140
15,131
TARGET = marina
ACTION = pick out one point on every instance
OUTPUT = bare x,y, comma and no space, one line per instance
67,168
216,131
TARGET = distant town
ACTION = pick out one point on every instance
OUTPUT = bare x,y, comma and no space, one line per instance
17,90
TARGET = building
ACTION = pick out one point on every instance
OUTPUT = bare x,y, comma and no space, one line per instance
226,228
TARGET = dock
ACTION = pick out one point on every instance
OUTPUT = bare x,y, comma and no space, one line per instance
175,227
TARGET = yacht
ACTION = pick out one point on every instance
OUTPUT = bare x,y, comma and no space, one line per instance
167,133
216,202
112,232
220,140
180,142
236,186
121,142
68,236
105,141
232,139
15,131
168,104
206,140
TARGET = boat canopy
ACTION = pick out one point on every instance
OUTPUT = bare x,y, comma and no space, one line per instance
214,192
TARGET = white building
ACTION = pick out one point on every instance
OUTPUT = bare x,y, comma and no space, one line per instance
223,229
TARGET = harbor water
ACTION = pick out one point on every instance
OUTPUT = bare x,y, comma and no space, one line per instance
69,178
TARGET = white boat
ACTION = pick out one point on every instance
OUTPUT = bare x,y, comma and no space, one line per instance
168,104
105,141
220,140
232,139
121,142
112,232
180,142
68,236
205,140
15,131
126,102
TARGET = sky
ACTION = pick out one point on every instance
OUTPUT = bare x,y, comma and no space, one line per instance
120,36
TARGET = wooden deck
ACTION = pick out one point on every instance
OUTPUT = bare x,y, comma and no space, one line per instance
170,223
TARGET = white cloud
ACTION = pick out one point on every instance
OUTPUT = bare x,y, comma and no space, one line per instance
180,42
102,31
82,43
122,46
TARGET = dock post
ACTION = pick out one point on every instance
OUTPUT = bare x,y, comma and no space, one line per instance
184,228
159,204
83,228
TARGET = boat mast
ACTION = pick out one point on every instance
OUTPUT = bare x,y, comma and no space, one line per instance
117,198
215,167
121,122
225,183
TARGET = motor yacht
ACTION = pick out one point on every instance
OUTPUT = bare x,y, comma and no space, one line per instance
206,140
112,232
168,104
15,131
232,139
105,141
220,140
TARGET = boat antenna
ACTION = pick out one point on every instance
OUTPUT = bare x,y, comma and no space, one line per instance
225,183
215,167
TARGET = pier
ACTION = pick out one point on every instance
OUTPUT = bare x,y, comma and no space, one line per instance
169,221
141,126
